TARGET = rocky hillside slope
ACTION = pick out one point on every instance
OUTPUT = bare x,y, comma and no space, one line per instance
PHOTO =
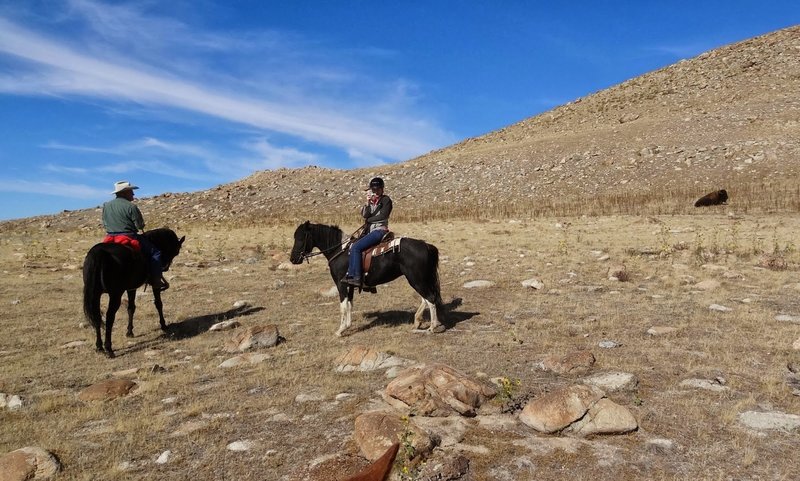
729,118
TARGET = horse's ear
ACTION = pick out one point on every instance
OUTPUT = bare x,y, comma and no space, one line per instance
307,223
180,241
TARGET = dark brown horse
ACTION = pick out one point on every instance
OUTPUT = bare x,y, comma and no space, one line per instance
417,260
115,269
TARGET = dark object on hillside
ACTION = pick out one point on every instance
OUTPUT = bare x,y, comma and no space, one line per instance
713,198
379,470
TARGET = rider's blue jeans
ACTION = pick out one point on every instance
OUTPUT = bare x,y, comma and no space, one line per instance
359,246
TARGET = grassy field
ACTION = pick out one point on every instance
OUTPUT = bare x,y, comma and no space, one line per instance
194,408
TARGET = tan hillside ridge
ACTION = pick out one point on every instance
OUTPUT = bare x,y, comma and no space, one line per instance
729,118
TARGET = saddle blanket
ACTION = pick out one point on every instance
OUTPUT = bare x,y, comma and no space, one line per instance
123,240
385,247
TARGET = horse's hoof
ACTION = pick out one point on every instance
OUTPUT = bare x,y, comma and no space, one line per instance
438,329
129,334
110,354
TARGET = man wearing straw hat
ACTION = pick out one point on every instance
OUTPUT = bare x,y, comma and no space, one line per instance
121,217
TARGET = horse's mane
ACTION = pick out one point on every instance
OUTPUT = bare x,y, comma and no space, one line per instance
331,234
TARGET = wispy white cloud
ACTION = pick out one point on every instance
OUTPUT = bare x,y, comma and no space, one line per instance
680,51
53,66
268,156
59,189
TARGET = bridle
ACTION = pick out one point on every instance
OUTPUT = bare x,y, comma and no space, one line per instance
307,255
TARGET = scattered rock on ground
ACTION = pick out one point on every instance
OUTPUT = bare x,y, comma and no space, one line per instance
613,381
478,284
788,318
242,445
608,344
245,359
331,291
224,325
362,358
605,417
533,283
578,362
12,402
719,308
556,410
73,344
28,463
445,466
707,285
661,330
769,420
437,390
253,337
707,384
376,431
618,272
107,390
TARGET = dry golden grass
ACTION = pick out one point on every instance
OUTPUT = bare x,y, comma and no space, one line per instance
499,331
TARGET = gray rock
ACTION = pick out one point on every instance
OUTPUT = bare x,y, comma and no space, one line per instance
788,318
478,284
608,344
245,359
661,330
12,402
533,283
769,420
224,325
243,445
164,457
707,384
613,381
719,308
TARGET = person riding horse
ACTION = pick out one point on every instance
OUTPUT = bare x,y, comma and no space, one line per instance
121,217
376,217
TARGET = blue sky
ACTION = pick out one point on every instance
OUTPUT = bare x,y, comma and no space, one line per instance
184,95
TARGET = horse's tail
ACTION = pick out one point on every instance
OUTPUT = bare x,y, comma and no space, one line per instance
433,254
93,285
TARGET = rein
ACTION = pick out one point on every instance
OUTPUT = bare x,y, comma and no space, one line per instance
307,255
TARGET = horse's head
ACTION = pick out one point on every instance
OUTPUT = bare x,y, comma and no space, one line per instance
168,243
303,243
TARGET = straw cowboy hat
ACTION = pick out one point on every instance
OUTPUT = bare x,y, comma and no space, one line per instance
123,185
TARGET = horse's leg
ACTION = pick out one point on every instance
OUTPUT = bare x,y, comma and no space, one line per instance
159,308
131,310
114,301
419,313
99,338
436,326
345,308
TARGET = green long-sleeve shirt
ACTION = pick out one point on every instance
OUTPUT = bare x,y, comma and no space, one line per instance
121,215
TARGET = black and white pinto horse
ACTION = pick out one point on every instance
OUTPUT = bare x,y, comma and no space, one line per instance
417,260
115,269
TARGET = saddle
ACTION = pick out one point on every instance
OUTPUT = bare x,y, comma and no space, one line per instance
123,240
389,243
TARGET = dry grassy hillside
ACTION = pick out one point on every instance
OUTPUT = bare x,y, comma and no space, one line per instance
728,118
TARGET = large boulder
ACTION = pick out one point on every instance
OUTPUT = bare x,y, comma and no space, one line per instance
578,362
605,417
107,390
27,464
437,390
557,410
376,431
361,358
253,337
578,409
